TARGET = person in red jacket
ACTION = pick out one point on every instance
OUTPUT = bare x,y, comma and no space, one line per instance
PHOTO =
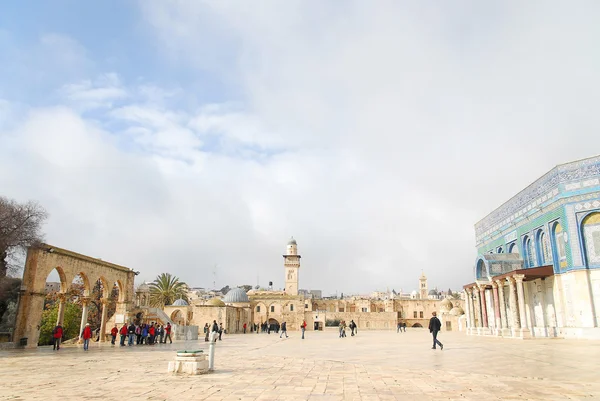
151,334
168,333
86,334
123,333
57,334
113,332
245,328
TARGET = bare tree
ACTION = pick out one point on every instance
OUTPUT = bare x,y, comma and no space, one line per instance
20,227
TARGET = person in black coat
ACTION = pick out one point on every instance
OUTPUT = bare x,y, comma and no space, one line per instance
434,327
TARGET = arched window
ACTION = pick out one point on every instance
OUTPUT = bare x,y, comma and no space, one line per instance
558,240
481,271
590,228
528,252
500,250
542,250
513,248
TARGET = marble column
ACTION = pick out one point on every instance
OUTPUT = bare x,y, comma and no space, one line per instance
104,319
496,304
468,307
514,309
542,296
479,310
484,318
62,298
471,305
85,301
502,302
521,298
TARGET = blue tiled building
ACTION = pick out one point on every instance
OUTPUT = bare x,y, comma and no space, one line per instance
537,272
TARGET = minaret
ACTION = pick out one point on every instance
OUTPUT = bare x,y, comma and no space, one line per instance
423,286
292,267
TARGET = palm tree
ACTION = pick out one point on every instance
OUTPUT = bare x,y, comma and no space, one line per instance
165,289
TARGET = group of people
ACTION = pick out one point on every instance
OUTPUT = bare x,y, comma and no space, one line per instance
58,332
351,326
147,334
215,328
140,334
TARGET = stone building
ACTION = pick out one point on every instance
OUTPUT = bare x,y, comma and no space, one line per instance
294,306
537,273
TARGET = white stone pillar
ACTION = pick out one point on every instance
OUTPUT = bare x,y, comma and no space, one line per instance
468,307
61,309
542,298
84,314
104,319
521,298
514,309
471,304
502,304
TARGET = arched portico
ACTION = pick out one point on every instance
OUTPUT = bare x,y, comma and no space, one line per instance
481,268
41,260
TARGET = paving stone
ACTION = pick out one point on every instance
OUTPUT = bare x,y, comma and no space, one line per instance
377,366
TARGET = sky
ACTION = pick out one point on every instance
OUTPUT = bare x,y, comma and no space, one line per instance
197,137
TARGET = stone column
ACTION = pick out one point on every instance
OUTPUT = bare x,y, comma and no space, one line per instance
496,305
484,317
501,301
104,319
471,306
516,323
521,298
62,298
84,314
542,296
467,304
478,295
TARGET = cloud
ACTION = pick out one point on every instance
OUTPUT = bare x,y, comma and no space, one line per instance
375,136
100,93
444,112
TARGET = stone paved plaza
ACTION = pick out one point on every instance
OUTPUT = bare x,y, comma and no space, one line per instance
374,365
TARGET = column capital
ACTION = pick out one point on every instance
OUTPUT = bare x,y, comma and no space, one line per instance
482,287
469,290
494,284
519,277
104,301
499,283
62,297
511,281
85,300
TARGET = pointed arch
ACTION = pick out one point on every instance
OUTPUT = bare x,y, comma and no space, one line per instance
590,234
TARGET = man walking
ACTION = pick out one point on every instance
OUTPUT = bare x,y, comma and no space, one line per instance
283,330
434,327
303,328
57,334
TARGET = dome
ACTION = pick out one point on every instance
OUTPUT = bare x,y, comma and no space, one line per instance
414,293
143,287
180,302
292,241
446,305
215,302
433,292
457,311
236,295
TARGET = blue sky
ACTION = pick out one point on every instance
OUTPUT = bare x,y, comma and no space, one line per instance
176,136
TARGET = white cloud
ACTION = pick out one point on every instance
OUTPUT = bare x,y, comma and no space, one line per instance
100,93
377,136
